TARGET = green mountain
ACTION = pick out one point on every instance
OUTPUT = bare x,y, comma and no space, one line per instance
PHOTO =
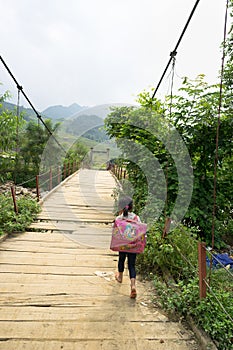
76,120
88,126
61,112
54,113
27,112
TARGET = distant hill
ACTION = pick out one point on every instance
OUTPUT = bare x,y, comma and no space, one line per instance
88,126
61,112
54,112
100,110
28,112
76,120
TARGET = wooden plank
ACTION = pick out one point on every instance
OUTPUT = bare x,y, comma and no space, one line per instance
58,313
67,330
80,285
105,344
39,269
70,225
72,300
43,237
32,278
23,244
52,249
43,261
67,255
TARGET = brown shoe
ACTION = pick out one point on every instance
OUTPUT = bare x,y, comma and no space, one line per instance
118,278
133,293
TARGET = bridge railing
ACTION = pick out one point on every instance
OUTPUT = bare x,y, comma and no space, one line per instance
43,182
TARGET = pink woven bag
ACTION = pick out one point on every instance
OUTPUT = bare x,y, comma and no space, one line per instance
128,236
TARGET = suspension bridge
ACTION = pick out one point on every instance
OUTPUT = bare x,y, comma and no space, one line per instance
58,289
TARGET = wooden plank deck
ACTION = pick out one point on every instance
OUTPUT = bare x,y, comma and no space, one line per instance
58,289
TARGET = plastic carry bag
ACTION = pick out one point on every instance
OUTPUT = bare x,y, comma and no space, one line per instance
128,236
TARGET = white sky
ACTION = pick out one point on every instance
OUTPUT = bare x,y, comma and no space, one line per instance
95,52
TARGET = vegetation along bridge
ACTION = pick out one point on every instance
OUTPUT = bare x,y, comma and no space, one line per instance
58,289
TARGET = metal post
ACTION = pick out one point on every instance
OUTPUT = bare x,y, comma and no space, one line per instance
166,226
50,179
64,170
58,175
91,157
108,154
202,269
14,199
37,188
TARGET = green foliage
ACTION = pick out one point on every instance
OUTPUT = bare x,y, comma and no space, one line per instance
76,154
150,129
195,117
176,253
9,220
88,126
228,69
22,146
184,299
135,133
9,124
174,259
36,137
96,134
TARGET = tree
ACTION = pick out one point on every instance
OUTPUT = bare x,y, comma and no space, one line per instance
35,139
11,125
194,115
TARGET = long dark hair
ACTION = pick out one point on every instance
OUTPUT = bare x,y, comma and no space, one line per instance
125,204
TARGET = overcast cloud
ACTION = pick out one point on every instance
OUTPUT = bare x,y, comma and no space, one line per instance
105,51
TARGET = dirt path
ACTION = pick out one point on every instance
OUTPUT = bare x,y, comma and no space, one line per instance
57,284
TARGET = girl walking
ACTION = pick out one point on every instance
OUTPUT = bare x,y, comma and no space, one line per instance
125,207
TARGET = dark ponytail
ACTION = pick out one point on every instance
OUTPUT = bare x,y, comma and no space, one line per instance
126,211
125,204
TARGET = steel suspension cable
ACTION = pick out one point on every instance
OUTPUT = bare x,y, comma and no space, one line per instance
174,52
218,125
168,219
17,135
172,84
20,88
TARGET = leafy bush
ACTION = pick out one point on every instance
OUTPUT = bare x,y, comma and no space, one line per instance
167,254
172,264
9,220
184,299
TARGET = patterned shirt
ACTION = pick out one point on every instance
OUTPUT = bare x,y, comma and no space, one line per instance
130,216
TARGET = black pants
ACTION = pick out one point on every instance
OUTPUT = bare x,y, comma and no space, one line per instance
131,263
